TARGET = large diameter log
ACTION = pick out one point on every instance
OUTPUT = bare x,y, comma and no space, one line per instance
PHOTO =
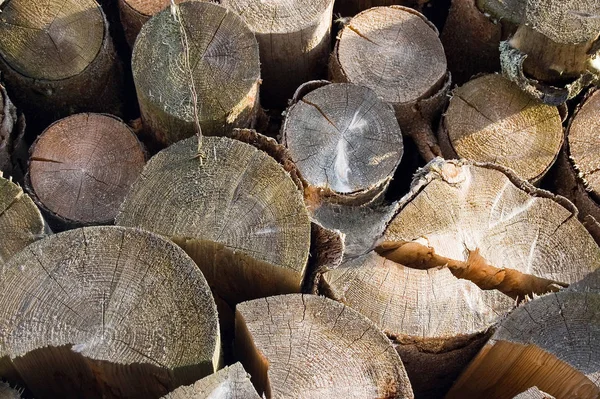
106,312
294,42
577,167
57,58
199,65
13,149
306,346
228,383
396,52
235,210
489,119
343,137
466,242
135,13
550,343
21,222
81,169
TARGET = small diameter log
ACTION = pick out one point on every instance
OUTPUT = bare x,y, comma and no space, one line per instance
577,175
294,42
110,312
396,52
553,54
82,167
135,13
489,119
533,393
21,222
197,66
471,41
236,211
344,138
228,383
13,149
306,346
467,243
57,58
550,343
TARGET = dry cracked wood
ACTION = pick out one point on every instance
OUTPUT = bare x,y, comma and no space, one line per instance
236,212
21,222
82,167
550,342
135,13
533,393
57,58
294,42
306,346
578,176
13,149
396,52
462,213
228,383
197,65
489,119
343,137
106,312
553,54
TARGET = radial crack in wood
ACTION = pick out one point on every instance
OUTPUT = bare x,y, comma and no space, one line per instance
301,346
550,343
221,56
228,383
89,296
236,212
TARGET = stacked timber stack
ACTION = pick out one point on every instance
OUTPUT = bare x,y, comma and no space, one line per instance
193,211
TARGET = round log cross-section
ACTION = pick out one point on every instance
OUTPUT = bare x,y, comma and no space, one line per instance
82,167
199,65
343,137
135,13
57,58
489,119
306,346
235,210
294,42
106,312
396,52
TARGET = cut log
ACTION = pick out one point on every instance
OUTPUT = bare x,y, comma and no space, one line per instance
110,312
135,13
228,383
13,149
396,52
21,222
236,212
553,54
81,169
471,41
578,167
57,58
306,346
489,119
294,41
464,233
344,138
349,8
215,83
550,343
533,393
6,392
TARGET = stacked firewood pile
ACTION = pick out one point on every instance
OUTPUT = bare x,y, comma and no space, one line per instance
299,199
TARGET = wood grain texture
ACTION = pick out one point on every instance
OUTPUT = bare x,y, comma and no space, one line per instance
236,212
224,63
533,393
489,119
13,148
90,296
82,167
135,13
301,346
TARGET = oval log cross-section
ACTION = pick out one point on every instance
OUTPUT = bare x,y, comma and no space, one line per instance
343,137
82,167
201,65
550,342
106,312
306,346
235,210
